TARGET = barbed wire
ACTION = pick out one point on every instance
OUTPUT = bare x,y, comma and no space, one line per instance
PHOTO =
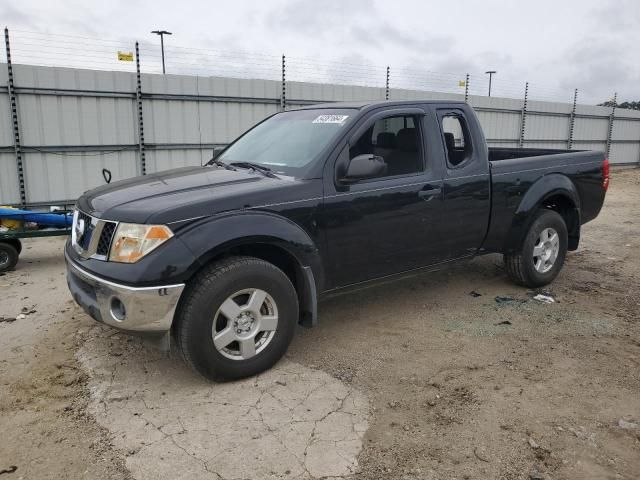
78,51
63,50
200,61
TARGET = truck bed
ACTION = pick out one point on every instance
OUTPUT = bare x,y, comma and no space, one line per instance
515,170
506,153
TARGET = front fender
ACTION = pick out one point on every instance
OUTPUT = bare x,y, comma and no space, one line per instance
209,237
548,186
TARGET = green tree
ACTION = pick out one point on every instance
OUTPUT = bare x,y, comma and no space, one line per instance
628,105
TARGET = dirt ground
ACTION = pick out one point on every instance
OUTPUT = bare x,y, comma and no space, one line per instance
462,375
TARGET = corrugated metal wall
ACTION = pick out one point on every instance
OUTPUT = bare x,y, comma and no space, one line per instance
73,123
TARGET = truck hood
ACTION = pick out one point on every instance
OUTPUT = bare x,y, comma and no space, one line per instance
179,194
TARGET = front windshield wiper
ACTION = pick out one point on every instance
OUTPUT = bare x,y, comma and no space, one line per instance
220,163
266,171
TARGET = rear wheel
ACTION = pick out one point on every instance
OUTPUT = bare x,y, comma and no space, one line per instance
542,253
237,318
8,256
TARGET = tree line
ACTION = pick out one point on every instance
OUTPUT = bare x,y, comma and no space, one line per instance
629,105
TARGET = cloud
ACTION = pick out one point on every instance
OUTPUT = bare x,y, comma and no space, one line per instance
319,19
589,44
353,25
11,14
616,15
599,67
601,62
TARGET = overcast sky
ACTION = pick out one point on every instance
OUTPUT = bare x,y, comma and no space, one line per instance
556,44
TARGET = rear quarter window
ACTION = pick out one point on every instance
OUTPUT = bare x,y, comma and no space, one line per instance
457,141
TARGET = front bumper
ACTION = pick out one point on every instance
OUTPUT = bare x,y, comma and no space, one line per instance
134,309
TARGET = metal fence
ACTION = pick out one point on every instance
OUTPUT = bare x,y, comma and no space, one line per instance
64,124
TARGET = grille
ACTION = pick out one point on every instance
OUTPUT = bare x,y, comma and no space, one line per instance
105,238
92,237
85,238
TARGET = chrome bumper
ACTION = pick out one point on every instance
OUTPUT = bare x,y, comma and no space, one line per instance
135,309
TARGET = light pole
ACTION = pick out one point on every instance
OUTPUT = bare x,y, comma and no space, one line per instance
490,72
162,33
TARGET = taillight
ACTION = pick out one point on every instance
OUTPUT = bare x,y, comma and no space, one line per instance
605,174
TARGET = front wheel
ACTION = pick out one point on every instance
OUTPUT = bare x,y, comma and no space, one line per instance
237,318
542,253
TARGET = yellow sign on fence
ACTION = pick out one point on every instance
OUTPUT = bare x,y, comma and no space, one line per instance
125,57
461,83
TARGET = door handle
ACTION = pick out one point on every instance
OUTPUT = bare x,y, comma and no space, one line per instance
429,193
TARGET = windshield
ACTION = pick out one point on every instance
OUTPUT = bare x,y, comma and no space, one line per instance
289,142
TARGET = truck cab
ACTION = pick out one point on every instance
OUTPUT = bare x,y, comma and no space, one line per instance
437,171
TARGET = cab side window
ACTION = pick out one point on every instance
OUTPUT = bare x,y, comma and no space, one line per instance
456,139
395,139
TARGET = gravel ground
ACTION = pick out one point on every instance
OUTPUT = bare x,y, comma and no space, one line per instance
433,381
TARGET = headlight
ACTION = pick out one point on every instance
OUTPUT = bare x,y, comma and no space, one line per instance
132,242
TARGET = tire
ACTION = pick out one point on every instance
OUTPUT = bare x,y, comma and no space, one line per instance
205,311
8,257
529,270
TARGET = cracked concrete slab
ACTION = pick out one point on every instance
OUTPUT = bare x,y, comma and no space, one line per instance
290,422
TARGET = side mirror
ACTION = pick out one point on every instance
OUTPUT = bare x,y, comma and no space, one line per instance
217,151
365,166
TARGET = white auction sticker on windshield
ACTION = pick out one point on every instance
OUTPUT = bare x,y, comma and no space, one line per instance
331,119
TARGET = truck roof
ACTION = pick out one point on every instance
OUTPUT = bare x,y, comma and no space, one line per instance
376,103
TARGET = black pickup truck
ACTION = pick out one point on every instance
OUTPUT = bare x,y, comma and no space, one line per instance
228,258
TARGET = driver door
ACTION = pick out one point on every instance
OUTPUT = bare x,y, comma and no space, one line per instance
389,224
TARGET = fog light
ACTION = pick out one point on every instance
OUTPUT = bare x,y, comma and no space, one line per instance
118,312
